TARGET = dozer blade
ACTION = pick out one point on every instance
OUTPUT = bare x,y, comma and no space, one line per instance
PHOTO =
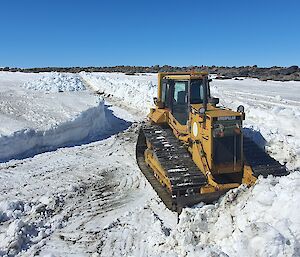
261,163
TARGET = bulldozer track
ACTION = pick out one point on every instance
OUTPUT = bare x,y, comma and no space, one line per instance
184,175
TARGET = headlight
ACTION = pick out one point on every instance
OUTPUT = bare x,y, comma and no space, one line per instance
218,130
202,111
237,129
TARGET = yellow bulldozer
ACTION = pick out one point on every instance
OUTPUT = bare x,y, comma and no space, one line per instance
191,150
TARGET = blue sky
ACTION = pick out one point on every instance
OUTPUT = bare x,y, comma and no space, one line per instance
40,33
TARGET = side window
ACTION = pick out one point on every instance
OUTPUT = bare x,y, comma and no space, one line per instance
197,92
165,91
201,93
180,105
180,92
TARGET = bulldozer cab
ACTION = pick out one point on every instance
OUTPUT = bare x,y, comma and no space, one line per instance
179,91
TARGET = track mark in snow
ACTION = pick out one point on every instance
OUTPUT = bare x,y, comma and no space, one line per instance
91,186
121,188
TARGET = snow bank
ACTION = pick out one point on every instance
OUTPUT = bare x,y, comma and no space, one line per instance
9,79
33,121
261,221
56,82
135,91
85,127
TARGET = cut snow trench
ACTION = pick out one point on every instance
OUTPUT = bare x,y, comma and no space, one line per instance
93,124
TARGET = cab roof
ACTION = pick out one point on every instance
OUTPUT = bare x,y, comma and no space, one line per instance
183,75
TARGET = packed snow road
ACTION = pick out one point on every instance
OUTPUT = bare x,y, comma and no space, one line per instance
65,201
79,192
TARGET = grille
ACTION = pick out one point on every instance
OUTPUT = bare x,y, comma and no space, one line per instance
227,149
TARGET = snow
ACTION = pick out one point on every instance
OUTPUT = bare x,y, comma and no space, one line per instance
56,82
260,221
270,121
86,127
36,121
92,200
136,91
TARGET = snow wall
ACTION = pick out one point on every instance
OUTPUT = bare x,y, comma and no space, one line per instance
88,126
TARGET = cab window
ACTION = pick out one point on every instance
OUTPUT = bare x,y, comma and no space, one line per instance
197,92
180,104
180,92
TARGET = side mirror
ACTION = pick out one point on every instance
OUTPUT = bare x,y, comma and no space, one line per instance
240,108
155,100
157,103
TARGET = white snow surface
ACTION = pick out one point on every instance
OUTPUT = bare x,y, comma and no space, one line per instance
137,91
260,221
92,200
56,82
38,121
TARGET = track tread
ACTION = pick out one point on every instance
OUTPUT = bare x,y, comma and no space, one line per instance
184,175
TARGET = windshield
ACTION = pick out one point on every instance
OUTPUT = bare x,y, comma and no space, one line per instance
197,92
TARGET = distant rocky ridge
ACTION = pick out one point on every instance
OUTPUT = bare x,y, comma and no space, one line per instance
271,73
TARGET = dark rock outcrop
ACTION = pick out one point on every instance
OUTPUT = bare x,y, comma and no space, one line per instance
271,73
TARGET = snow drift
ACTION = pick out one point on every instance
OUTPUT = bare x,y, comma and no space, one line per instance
56,82
136,91
260,221
86,127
